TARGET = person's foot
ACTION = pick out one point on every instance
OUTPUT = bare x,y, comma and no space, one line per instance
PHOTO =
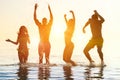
68,64
102,63
47,63
73,63
92,63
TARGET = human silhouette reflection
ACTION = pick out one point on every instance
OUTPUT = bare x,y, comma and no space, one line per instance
67,72
100,74
91,74
43,73
22,73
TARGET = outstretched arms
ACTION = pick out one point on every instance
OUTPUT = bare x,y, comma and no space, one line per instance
72,15
8,40
35,16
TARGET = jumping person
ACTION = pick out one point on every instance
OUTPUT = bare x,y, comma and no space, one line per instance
69,45
22,40
44,32
97,39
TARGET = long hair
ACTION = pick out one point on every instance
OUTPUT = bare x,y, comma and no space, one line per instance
23,30
23,33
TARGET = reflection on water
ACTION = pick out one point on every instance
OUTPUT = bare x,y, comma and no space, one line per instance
43,73
16,72
94,73
67,73
22,73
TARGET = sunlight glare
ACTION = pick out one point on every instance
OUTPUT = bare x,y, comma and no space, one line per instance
58,31
34,41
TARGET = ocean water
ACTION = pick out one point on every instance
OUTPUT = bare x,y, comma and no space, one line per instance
59,72
11,70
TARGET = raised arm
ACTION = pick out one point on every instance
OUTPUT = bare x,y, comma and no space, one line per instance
101,18
8,40
35,16
73,15
51,16
65,18
86,24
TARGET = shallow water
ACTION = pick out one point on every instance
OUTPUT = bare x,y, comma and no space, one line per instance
58,72
10,70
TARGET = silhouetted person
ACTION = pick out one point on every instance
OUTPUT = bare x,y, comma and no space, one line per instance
69,46
44,32
97,39
22,40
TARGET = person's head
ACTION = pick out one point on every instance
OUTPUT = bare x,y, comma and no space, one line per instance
44,21
70,21
94,16
23,29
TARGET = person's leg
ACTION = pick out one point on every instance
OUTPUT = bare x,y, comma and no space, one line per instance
40,51
88,47
71,47
70,50
99,49
26,56
20,57
66,56
68,53
47,52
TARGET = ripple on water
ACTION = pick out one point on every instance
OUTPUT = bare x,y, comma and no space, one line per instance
61,72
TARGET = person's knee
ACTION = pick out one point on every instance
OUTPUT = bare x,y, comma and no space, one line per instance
99,50
47,56
85,51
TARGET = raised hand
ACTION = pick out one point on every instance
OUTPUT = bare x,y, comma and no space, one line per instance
48,6
71,11
65,16
95,11
36,5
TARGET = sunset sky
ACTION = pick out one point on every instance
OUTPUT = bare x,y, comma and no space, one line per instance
14,13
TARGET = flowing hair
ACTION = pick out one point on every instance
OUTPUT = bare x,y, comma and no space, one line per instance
23,32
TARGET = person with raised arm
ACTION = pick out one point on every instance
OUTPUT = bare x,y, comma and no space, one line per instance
69,45
95,23
44,28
